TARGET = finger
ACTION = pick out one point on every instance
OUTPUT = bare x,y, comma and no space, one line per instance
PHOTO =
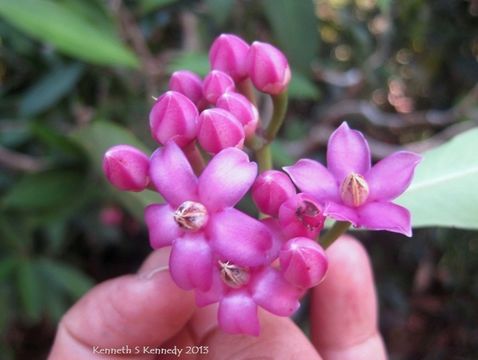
279,338
344,306
134,310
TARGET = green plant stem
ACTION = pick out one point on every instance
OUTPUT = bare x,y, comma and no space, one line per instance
280,107
264,158
334,233
245,88
195,158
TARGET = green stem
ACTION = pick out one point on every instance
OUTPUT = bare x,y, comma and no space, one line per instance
195,158
245,88
264,158
334,233
280,107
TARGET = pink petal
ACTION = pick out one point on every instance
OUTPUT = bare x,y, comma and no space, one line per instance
163,230
172,175
226,179
385,216
313,178
239,238
391,176
273,293
347,152
238,314
214,294
191,262
342,213
278,238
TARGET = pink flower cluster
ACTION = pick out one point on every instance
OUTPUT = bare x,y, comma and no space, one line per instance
224,255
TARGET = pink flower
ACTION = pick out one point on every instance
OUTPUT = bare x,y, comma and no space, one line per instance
228,53
270,190
174,117
354,191
240,106
126,168
215,84
218,130
268,68
189,84
199,220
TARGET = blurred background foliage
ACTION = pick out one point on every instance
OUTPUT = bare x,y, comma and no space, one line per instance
78,76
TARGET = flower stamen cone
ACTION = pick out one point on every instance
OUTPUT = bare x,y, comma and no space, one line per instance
191,215
354,190
234,276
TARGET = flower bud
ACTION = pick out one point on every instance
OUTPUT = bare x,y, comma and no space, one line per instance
189,84
215,84
219,129
229,54
268,68
174,117
354,190
303,262
126,168
270,190
301,215
240,106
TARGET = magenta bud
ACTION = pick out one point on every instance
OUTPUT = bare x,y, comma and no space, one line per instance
229,54
303,262
174,117
270,190
219,129
240,106
215,84
189,84
126,168
268,68
301,215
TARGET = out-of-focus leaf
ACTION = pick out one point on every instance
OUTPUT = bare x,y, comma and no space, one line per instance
148,6
220,10
71,280
60,144
46,190
302,88
6,266
29,289
384,5
99,137
444,191
49,89
54,23
295,27
280,157
195,62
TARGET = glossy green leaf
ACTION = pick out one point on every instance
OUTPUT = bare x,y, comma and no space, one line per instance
59,25
49,89
444,191
295,28
99,137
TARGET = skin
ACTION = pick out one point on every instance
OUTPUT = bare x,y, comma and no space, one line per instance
149,309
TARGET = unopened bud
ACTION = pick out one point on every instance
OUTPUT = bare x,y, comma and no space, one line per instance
268,68
303,262
173,117
215,84
244,111
190,85
270,190
354,190
191,215
229,54
219,129
126,168
234,276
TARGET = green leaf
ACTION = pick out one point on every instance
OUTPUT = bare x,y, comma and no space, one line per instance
195,62
444,191
29,289
59,25
220,10
71,280
46,190
99,137
148,6
302,88
49,89
295,28
7,265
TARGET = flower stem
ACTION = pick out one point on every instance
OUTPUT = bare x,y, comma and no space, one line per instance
245,88
195,157
334,233
280,107
264,158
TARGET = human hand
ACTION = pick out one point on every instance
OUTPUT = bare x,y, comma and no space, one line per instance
148,312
